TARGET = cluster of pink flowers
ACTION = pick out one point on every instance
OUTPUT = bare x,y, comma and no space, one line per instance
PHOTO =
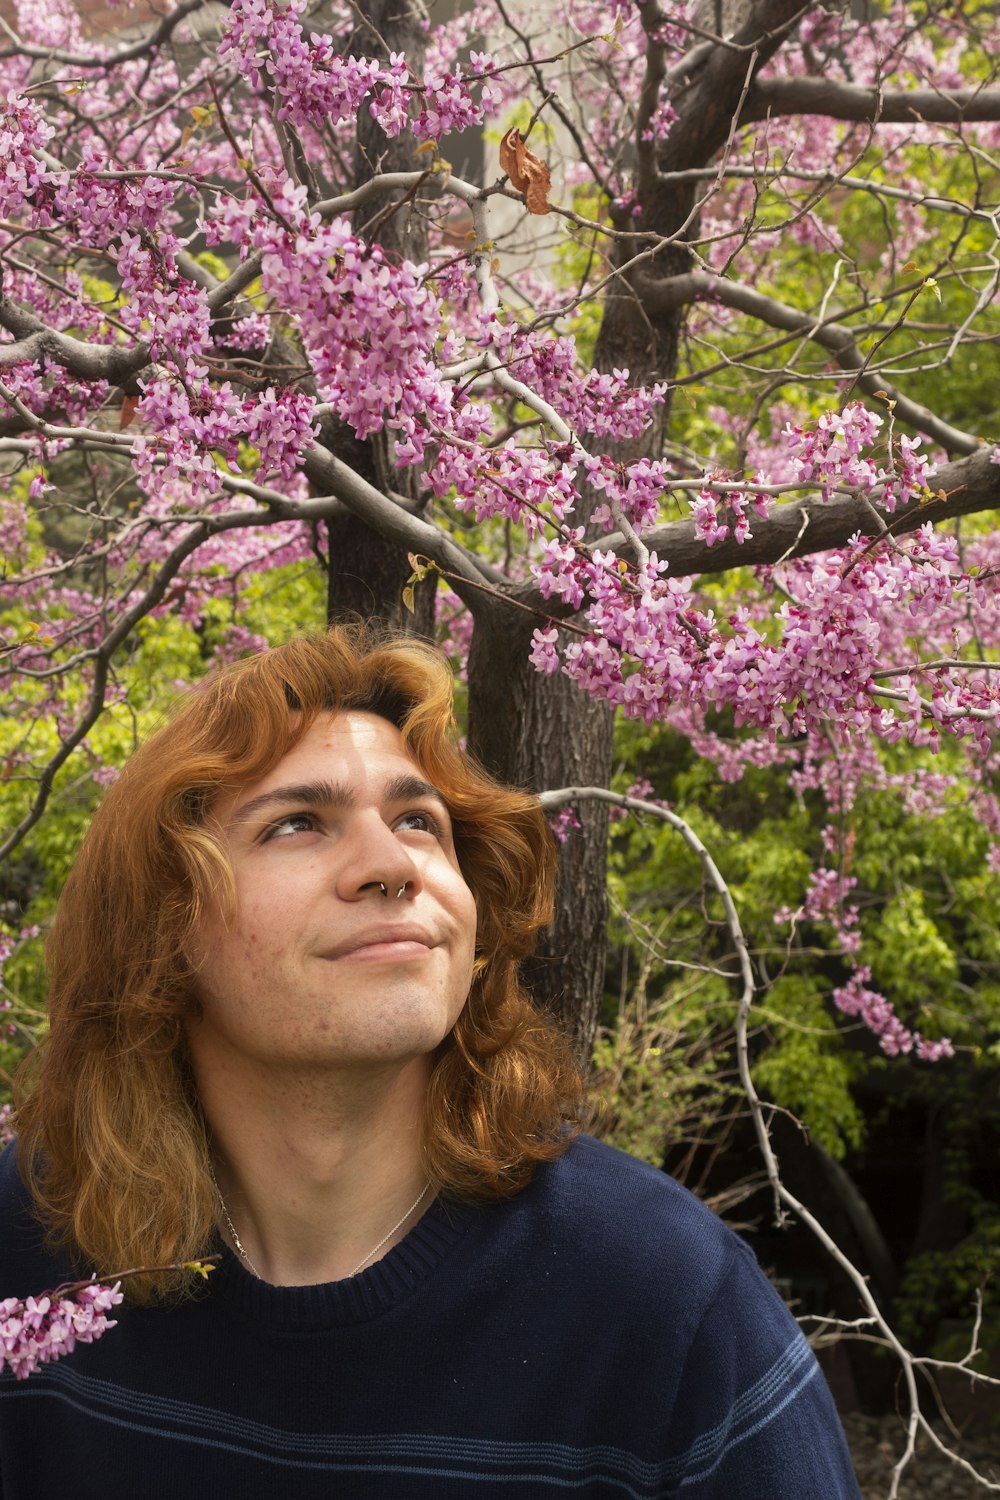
644,791
183,426
446,104
369,325
908,479
564,823
164,309
9,944
312,82
38,1330
833,452
825,901
100,209
649,649
857,998
315,85
600,403
23,131
714,515
660,121
508,481
279,424
635,489
672,31
186,424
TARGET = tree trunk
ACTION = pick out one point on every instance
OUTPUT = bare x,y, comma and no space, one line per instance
542,732
367,575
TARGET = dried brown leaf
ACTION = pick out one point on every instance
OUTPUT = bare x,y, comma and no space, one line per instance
527,172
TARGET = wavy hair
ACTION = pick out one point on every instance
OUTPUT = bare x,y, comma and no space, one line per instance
112,1142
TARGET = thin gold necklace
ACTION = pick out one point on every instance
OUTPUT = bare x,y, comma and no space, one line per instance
241,1251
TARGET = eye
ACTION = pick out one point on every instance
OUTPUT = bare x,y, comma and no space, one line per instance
291,823
421,821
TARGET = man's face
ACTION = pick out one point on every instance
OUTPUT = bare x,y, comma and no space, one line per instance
319,968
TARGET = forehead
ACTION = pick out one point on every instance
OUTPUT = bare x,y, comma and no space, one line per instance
350,736
347,755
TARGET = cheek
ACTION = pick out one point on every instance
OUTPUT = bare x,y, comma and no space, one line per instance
222,952
468,917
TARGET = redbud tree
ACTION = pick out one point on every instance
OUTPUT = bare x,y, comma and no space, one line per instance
671,407
643,355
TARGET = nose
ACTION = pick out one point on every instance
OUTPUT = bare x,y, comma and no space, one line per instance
375,861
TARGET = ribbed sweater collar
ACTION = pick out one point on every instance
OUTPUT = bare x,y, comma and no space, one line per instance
359,1298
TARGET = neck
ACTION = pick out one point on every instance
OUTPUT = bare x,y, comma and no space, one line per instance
315,1172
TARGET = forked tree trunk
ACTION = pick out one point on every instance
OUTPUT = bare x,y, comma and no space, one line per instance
544,732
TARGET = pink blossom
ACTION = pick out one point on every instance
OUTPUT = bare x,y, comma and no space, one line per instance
832,453
544,655
564,823
38,1330
23,131
856,998
660,122
705,514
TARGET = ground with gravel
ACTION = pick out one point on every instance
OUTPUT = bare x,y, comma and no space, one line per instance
876,1444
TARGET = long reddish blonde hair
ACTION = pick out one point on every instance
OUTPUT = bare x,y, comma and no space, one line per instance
111,1139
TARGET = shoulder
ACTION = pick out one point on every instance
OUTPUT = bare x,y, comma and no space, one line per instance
625,1226
26,1266
592,1170
631,1204
744,1408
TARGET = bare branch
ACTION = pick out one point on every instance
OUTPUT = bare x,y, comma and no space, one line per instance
784,1199
848,101
35,341
665,294
332,476
788,173
140,48
716,89
102,659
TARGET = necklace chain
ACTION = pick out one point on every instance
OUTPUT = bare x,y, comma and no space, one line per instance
241,1251
398,1225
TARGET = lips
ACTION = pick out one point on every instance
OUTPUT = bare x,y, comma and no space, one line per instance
379,937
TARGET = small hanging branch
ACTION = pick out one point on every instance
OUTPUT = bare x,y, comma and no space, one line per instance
38,1330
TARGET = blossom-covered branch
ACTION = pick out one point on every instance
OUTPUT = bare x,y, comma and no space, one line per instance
38,1330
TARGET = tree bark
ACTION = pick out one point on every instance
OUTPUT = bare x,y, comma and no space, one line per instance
367,574
542,732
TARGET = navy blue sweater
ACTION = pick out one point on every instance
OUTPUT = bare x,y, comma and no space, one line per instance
602,1335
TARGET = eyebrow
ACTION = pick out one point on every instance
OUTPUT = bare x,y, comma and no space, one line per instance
333,794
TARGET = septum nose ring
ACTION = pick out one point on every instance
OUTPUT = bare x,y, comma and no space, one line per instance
399,894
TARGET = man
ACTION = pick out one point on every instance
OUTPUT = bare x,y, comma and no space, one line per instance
286,1021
